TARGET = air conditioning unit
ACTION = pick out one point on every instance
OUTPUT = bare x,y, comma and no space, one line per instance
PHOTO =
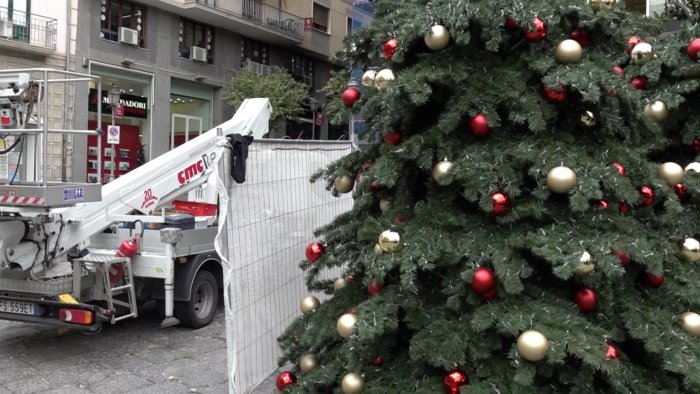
128,36
199,54
5,28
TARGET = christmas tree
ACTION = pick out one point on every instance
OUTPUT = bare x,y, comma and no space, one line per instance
526,219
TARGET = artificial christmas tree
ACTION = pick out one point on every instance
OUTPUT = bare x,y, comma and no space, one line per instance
555,252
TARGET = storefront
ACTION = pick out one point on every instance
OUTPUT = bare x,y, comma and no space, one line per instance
132,116
190,111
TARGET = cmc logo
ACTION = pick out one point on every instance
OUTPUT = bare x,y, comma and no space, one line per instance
194,169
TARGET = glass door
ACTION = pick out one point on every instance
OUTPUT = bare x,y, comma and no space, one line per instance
184,128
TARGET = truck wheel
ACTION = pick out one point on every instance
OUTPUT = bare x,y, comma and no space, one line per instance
200,309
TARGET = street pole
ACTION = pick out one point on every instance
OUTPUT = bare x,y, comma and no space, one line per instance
111,169
114,97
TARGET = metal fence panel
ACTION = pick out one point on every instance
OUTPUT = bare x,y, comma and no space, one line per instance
270,221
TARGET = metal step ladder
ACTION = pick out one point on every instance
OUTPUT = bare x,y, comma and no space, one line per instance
105,264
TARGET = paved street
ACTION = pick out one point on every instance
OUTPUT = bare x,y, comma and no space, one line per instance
136,356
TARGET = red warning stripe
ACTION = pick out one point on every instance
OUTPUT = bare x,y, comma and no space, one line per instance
22,200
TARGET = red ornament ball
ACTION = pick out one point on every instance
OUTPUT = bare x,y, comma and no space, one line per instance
682,192
631,42
393,138
400,218
623,256
648,195
619,70
696,146
479,125
390,47
639,82
602,204
582,36
694,49
455,379
314,251
285,379
375,187
377,361
510,24
612,353
624,208
350,96
586,299
501,204
536,31
619,167
483,280
489,295
654,280
554,95
374,288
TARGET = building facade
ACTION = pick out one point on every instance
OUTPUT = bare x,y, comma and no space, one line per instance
171,60
41,34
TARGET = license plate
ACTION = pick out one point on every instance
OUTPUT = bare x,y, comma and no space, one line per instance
21,308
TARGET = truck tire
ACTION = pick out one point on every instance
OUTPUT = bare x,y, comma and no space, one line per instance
200,309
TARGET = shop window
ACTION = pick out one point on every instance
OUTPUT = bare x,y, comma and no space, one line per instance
17,11
254,51
120,13
303,69
321,17
193,34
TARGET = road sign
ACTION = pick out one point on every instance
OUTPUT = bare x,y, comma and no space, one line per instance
113,135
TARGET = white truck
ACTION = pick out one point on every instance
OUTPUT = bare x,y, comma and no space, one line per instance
78,255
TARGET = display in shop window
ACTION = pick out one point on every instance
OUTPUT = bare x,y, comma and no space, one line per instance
126,152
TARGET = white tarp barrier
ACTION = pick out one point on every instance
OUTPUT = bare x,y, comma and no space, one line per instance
268,223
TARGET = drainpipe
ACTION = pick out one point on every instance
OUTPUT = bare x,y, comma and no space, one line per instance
64,136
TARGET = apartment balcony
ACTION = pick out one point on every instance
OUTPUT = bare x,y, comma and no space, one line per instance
252,18
27,33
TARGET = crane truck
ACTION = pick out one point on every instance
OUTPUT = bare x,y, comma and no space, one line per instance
79,255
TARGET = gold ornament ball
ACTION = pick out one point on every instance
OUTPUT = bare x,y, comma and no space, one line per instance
339,284
690,321
561,179
694,166
381,81
343,183
378,249
384,205
641,53
308,363
309,304
346,324
437,38
672,173
599,5
390,241
691,249
532,345
568,51
441,170
368,78
352,384
656,111
587,264
691,72
588,119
